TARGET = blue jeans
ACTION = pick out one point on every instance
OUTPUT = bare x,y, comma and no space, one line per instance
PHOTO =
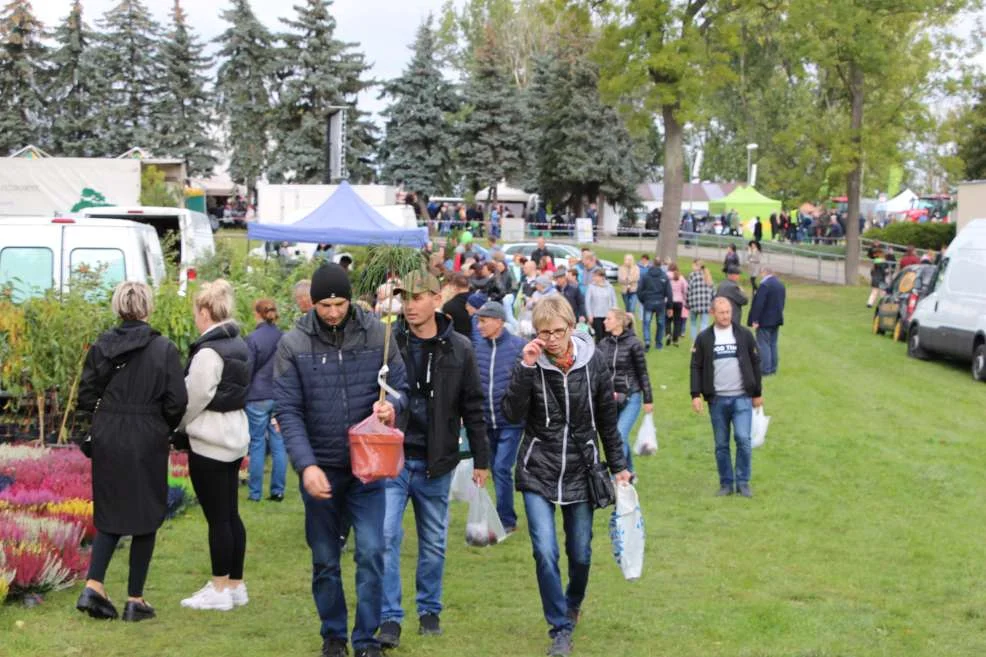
259,416
430,499
365,506
625,421
577,522
738,411
767,341
659,314
698,322
629,301
503,456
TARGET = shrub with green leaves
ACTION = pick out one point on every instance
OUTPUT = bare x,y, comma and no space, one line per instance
922,236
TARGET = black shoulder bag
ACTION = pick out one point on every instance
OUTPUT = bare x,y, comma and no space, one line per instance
602,493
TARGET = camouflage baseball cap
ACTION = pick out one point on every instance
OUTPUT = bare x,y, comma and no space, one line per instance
419,282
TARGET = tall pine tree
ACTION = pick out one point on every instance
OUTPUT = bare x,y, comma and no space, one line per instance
73,92
419,144
317,72
22,61
492,136
130,64
243,84
184,108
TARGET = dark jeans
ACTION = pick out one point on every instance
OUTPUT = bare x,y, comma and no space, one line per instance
598,328
365,505
141,551
216,484
577,522
677,326
767,341
737,411
659,316
503,456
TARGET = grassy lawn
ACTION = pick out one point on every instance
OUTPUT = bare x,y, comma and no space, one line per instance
864,538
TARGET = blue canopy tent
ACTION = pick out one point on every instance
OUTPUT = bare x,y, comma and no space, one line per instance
344,218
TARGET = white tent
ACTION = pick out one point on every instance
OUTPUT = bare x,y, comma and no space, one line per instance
504,194
898,204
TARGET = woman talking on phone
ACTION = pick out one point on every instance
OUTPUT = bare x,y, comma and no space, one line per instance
562,391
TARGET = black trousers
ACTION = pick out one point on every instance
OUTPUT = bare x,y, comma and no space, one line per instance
141,551
216,484
677,326
598,328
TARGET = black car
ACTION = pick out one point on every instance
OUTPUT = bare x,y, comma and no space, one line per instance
894,310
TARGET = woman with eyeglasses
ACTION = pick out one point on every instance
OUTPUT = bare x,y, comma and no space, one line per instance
562,392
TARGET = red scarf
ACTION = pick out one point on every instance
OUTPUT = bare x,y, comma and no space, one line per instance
565,361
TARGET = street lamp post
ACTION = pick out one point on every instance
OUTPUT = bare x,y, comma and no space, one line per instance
749,159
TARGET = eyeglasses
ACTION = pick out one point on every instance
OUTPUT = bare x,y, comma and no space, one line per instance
557,334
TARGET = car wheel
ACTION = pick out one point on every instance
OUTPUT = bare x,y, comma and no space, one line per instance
899,331
876,325
979,363
914,349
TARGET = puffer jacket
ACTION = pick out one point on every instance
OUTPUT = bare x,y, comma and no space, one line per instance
320,390
624,354
496,360
563,414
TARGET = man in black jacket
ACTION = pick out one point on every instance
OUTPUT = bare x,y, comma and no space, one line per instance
571,292
455,307
445,393
730,289
726,372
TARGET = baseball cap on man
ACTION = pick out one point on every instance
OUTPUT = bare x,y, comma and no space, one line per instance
492,309
419,282
477,300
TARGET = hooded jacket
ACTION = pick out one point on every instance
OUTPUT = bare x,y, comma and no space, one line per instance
562,415
325,381
654,290
455,398
624,354
496,360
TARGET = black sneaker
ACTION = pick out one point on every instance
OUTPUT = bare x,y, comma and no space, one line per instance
389,635
276,497
724,491
744,490
561,644
369,652
429,625
333,647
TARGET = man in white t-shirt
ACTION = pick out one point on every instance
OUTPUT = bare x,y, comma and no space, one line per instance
725,370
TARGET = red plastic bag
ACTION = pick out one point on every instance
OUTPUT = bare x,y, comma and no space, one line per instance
375,450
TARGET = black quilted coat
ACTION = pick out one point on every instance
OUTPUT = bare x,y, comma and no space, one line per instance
624,354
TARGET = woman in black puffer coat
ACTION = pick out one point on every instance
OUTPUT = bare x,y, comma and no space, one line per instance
624,353
562,391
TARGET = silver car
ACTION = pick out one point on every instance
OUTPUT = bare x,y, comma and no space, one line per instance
560,253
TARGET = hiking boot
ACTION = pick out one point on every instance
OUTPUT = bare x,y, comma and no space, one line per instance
333,647
724,491
389,635
372,651
744,490
429,625
561,644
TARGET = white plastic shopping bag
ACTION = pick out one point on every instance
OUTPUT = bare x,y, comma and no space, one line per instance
758,428
483,526
462,488
626,530
646,437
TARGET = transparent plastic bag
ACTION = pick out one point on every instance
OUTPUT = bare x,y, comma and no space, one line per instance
646,443
626,531
758,428
376,450
462,488
483,526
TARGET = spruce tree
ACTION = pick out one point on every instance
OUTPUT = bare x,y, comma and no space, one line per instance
317,72
184,109
243,84
128,57
492,135
417,149
73,90
22,72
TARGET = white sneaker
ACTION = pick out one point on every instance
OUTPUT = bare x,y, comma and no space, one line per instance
209,598
239,594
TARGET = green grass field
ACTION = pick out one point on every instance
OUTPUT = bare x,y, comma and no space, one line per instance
865,536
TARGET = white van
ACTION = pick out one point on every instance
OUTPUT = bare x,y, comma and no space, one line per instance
193,228
39,254
951,320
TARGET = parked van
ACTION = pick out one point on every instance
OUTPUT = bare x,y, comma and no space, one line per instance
951,320
38,254
194,230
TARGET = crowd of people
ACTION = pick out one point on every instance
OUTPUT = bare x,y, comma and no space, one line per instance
532,362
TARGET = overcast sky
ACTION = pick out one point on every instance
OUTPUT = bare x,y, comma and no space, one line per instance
383,28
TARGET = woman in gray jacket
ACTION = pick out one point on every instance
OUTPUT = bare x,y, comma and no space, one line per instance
600,297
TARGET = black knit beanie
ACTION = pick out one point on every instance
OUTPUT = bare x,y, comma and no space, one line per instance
330,281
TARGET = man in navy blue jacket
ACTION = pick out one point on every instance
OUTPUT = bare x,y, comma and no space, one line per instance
325,381
767,317
497,351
